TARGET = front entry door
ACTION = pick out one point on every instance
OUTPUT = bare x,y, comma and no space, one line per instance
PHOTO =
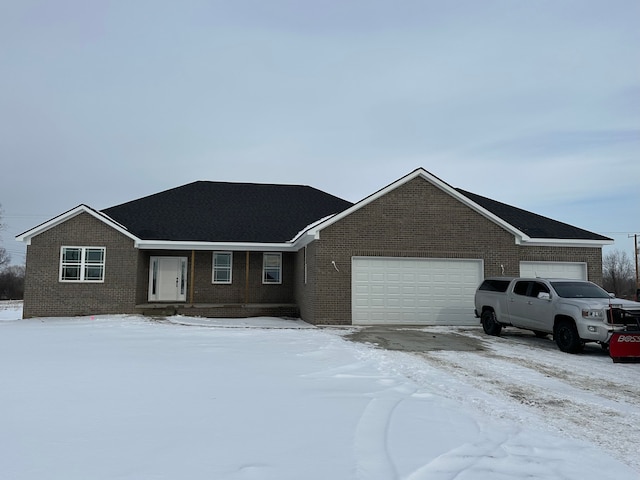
168,279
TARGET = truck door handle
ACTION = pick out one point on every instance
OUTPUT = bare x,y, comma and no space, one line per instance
529,302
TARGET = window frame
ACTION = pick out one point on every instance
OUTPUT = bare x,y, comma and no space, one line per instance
268,268
215,268
84,263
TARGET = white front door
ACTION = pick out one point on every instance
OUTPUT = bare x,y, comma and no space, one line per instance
168,279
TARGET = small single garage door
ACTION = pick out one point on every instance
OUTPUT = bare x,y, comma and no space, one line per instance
573,270
414,291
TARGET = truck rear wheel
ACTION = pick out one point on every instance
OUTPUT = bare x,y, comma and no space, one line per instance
490,323
566,336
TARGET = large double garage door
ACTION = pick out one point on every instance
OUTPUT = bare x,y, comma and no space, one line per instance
428,291
414,291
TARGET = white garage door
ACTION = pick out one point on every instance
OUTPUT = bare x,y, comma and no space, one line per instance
574,270
414,291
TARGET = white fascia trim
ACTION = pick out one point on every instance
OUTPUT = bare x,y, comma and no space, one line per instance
54,222
555,242
308,234
309,227
445,187
305,240
217,246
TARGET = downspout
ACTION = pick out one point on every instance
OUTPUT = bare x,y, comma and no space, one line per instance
246,280
193,275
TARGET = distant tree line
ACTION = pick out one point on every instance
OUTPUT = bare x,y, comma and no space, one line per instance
11,276
12,282
619,275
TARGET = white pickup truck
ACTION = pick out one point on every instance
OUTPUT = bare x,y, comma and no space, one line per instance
573,311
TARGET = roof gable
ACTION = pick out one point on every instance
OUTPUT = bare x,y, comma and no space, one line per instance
69,214
226,212
527,227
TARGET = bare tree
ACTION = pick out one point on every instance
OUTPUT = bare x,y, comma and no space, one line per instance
618,274
4,256
12,282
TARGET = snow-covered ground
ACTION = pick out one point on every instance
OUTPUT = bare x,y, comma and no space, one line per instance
125,397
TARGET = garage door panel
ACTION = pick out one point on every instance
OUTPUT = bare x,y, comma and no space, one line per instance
573,270
414,290
468,290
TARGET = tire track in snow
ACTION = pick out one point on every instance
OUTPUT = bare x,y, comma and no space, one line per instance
574,408
372,432
371,435
608,383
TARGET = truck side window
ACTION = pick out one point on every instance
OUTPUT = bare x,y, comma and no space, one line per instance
538,287
521,288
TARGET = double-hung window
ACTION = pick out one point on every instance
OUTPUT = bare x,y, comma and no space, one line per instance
222,267
272,268
82,264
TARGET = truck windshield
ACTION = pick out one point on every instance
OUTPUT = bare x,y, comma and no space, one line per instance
579,290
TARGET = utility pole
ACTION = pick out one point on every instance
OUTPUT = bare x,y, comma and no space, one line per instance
635,251
635,244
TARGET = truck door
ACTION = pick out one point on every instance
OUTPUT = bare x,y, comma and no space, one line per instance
520,304
541,311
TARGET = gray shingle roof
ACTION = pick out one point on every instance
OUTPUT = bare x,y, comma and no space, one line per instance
267,213
534,225
226,212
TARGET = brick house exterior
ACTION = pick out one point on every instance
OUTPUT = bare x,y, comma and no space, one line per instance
45,296
417,218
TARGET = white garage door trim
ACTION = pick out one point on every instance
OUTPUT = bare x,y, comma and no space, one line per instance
574,270
414,291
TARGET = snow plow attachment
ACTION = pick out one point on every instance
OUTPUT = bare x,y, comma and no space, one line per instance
624,346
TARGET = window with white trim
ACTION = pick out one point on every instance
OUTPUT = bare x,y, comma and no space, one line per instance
222,267
82,264
272,268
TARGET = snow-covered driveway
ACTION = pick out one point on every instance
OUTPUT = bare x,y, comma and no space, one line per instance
128,398
521,378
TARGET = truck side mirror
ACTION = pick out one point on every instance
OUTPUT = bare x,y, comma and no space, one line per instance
544,296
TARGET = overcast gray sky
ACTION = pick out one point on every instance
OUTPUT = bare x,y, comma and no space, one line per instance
535,103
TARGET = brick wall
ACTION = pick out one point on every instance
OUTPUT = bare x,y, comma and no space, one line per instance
304,292
417,220
46,296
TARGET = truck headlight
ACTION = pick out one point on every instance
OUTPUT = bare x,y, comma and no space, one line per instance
593,314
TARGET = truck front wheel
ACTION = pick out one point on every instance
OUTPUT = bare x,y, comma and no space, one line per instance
490,323
566,336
